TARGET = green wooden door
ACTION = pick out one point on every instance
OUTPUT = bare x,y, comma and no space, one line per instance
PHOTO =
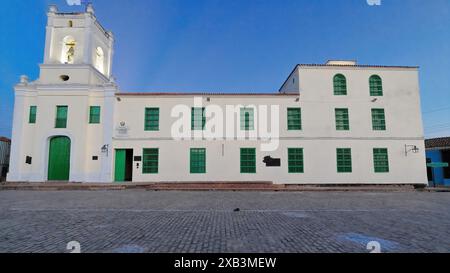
59,159
119,173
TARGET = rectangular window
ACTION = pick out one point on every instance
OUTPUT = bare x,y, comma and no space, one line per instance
380,160
247,119
294,116
378,120
342,120
198,160
150,160
32,116
61,116
198,118
248,160
94,114
295,160
151,119
344,160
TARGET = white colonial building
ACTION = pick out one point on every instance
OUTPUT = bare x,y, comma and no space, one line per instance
334,123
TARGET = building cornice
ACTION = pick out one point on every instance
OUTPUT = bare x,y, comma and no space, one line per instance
131,94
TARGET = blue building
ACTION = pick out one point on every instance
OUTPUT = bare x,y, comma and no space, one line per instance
438,150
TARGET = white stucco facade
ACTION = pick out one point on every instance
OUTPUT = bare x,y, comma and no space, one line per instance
122,119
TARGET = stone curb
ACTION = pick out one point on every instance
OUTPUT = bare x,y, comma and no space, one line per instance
221,186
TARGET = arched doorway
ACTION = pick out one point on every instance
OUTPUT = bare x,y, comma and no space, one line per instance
59,159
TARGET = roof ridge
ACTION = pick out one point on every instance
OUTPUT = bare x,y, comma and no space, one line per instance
360,65
207,93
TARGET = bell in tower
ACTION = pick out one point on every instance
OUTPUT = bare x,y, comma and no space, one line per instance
68,52
77,48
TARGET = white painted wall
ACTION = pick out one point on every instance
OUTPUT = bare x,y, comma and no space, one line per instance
292,83
33,139
312,90
319,155
318,138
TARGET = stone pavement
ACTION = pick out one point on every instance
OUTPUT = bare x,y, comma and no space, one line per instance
205,221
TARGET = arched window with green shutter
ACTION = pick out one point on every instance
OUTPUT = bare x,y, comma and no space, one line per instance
340,85
376,86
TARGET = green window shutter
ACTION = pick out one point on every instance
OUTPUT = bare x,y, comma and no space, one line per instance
340,85
342,119
151,119
381,160
344,160
294,116
295,160
248,160
32,115
61,117
94,114
198,118
376,86
150,160
378,120
247,119
198,160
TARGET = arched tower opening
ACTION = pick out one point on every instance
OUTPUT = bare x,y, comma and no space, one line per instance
68,50
100,60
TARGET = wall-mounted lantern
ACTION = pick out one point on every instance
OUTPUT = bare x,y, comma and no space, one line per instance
105,149
411,148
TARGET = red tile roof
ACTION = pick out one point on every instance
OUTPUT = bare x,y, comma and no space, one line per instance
199,94
441,142
358,65
5,139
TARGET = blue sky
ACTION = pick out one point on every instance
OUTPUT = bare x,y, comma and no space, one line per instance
243,45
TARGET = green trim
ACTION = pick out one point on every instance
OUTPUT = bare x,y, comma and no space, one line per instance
340,85
248,160
32,114
376,85
344,160
294,119
295,160
342,119
378,119
151,122
247,119
150,160
94,115
61,116
198,118
198,160
381,160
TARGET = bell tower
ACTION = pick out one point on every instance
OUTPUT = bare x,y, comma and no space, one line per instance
74,84
78,50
